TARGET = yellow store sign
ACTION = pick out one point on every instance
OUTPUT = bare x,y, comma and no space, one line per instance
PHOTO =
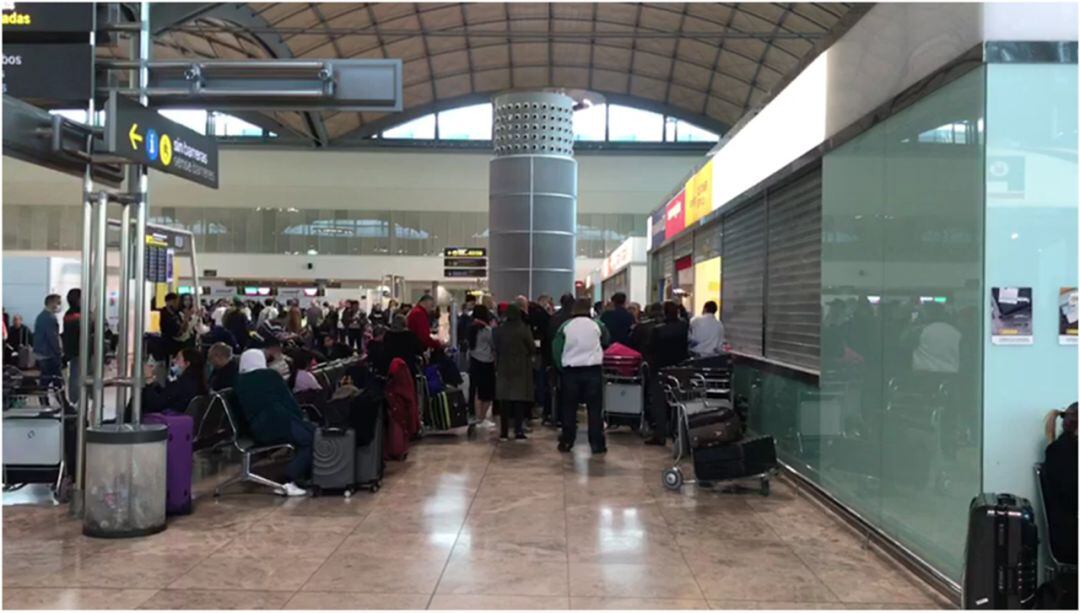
699,194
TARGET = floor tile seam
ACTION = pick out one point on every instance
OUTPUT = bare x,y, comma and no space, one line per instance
810,568
327,559
468,511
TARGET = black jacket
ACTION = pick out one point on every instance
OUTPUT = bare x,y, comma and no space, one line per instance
236,323
396,344
668,344
1061,479
70,335
172,326
225,377
618,321
175,396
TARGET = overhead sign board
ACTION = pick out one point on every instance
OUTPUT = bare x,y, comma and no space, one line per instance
49,74
675,215
143,136
47,17
657,227
699,194
464,262
464,252
462,273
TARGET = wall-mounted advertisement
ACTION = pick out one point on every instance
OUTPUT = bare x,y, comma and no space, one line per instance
656,229
706,283
675,215
699,195
1011,316
1067,316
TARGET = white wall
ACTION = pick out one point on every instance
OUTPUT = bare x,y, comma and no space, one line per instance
29,278
368,180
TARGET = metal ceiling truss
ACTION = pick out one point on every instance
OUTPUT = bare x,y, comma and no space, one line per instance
785,29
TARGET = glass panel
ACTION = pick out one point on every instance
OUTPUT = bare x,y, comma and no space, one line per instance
689,133
466,123
634,125
589,123
190,118
227,125
895,432
421,127
1031,240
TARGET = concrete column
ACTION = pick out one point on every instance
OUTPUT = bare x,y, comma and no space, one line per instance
532,212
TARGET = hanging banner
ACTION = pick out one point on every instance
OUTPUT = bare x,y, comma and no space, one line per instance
656,230
675,215
699,195
1067,316
1011,316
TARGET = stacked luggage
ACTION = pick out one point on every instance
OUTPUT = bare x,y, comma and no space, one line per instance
441,393
625,374
39,432
711,431
348,445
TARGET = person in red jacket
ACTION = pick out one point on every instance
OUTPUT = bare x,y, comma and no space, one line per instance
419,323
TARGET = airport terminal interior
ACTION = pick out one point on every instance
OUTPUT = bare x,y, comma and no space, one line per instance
539,305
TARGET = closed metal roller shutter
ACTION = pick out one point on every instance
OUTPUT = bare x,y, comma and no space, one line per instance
793,312
684,245
741,281
707,242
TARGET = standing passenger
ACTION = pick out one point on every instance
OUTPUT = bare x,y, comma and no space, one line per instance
72,330
618,320
578,351
47,351
514,349
706,332
481,362
667,346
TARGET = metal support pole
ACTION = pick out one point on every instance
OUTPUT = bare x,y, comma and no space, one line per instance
100,302
123,329
140,205
82,360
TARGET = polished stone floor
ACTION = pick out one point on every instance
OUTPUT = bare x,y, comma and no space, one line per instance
469,525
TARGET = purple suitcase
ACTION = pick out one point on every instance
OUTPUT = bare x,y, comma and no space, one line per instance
178,460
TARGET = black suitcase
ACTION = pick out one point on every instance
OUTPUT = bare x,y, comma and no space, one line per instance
759,454
719,463
369,456
1001,557
334,460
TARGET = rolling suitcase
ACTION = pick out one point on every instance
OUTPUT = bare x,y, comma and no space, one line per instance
759,454
1001,557
334,460
369,457
717,427
178,459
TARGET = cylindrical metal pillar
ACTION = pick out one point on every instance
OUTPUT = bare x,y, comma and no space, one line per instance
123,329
532,197
140,188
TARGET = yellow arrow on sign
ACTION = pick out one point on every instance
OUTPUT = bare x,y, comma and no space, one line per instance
134,136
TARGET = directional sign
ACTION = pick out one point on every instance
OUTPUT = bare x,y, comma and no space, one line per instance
141,135
464,252
51,75
47,17
461,273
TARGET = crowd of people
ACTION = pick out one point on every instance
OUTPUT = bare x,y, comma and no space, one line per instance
525,359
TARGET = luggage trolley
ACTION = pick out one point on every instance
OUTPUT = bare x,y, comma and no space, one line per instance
689,394
36,424
624,391
425,403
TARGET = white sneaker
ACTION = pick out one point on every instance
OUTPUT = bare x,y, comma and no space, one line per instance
292,490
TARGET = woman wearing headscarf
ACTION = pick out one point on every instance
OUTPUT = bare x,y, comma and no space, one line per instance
273,416
514,349
1059,471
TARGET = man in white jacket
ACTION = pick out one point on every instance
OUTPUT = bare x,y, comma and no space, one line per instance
706,332
578,353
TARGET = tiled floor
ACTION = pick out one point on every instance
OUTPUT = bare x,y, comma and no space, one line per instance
469,525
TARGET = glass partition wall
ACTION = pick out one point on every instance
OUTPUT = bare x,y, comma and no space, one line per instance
895,432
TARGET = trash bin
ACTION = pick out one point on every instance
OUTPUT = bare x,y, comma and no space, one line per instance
125,480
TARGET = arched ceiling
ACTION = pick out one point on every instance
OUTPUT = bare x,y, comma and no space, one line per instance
709,63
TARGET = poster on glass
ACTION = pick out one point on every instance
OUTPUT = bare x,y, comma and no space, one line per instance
1011,316
1067,316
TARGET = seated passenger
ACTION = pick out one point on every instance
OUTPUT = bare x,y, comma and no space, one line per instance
1059,469
223,367
220,334
333,350
189,370
303,380
273,416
